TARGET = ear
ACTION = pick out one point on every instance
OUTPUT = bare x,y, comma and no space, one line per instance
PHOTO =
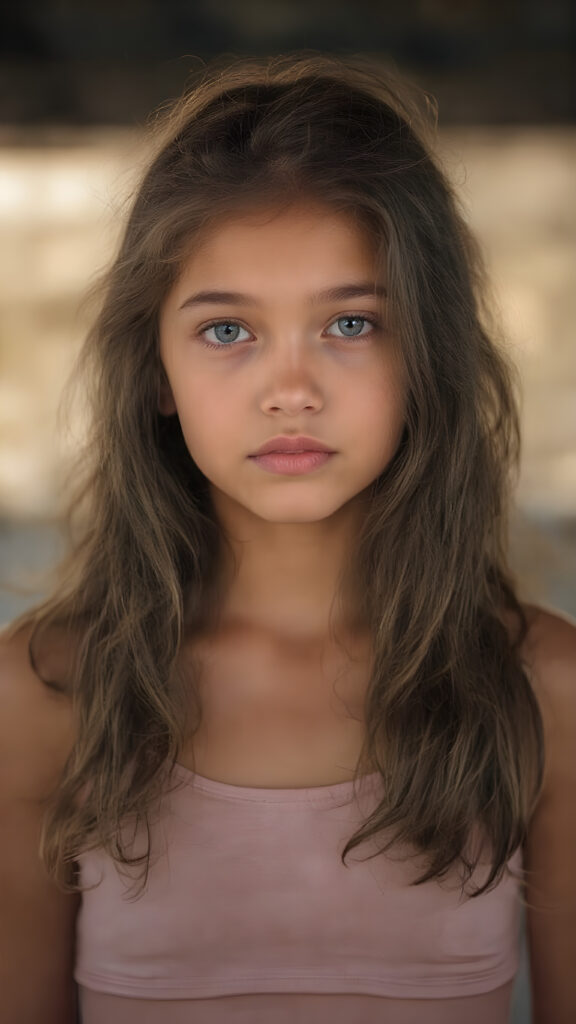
166,403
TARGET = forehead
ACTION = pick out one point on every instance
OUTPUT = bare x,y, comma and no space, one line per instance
302,235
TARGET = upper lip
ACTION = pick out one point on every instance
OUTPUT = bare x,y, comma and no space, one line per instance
292,444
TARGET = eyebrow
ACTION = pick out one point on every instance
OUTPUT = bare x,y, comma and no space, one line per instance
337,294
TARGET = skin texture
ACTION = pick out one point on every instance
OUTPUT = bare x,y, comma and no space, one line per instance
292,370
550,850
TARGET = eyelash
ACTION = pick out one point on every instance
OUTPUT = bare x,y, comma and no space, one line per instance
347,316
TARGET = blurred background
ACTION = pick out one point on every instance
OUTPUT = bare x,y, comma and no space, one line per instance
78,82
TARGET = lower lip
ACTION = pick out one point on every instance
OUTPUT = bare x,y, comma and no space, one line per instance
303,462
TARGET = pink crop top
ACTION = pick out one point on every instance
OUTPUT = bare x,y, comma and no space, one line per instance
250,914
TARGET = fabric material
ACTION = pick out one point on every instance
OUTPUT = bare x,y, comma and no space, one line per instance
488,1008
247,896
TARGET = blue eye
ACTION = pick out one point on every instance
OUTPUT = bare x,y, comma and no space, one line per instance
226,331
352,323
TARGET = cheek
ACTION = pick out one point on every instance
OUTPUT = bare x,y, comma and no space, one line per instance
383,405
395,392
208,421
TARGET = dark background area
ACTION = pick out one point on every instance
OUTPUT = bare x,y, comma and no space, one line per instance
82,62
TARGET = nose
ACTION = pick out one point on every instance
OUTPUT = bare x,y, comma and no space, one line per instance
291,385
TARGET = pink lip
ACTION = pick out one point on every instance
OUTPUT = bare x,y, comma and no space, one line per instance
292,463
292,445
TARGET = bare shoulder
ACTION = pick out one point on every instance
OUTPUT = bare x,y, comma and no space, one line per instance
550,633
549,655
37,923
36,722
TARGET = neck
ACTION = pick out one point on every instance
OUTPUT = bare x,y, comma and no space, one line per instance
290,580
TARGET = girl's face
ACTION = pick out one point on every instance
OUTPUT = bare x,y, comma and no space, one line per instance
281,358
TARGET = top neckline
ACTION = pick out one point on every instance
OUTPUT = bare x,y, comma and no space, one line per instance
263,794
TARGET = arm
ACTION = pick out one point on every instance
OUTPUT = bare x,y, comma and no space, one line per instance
37,920
550,853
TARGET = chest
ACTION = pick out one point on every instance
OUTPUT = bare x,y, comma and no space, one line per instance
278,716
247,894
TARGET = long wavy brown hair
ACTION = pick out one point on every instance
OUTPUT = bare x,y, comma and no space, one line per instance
451,721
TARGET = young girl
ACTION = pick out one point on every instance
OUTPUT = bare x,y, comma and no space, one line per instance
284,745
